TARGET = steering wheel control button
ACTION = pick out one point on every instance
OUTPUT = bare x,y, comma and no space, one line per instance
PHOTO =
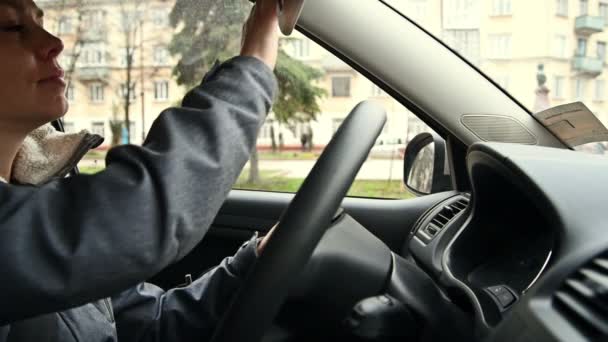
502,296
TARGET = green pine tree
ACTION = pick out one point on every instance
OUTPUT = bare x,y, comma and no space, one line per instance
210,30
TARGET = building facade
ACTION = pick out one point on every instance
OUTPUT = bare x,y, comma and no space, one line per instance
106,44
110,41
99,36
508,39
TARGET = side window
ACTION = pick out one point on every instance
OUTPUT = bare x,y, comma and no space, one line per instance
126,61
99,128
287,148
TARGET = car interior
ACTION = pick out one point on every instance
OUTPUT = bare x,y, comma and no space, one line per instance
505,241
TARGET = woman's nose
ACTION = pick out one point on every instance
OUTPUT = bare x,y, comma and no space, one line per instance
49,46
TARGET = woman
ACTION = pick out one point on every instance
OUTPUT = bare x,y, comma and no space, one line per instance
68,243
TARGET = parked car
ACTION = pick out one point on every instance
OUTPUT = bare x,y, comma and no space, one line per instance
388,147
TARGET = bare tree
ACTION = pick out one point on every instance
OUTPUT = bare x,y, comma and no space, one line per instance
70,29
131,18
130,24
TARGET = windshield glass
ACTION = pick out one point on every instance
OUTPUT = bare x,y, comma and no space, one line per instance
545,53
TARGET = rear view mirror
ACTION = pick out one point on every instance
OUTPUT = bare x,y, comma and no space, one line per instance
425,169
289,13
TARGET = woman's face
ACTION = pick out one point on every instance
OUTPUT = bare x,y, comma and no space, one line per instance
31,81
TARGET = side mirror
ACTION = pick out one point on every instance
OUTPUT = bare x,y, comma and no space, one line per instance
425,170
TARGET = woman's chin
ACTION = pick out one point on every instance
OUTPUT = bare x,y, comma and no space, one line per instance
54,111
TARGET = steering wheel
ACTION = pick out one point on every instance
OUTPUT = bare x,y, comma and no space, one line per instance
301,227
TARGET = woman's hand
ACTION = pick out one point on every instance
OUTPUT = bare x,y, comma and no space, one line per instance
261,33
265,239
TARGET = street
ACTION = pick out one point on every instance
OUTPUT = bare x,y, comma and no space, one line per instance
372,169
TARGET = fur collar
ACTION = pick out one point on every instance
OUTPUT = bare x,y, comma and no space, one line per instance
48,154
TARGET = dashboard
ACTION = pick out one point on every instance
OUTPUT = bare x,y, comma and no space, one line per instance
525,251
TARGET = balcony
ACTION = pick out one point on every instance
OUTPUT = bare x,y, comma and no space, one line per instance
99,73
588,24
94,34
591,66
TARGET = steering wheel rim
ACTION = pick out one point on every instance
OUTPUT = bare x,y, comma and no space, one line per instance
302,224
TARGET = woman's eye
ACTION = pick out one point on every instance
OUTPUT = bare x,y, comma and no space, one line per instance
13,28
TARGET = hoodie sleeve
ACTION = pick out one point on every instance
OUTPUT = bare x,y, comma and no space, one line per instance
146,313
79,239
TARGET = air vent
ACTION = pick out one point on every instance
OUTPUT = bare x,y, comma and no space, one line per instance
441,219
583,299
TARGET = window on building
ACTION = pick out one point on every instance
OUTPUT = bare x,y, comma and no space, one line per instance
65,60
124,56
161,90
559,49
266,130
603,11
132,129
160,55
581,47
160,17
501,7
93,19
583,7
69,92
335,124
96,92
340,86
465,42
69,127
600,90
417,9
99,128
503,81
130,20
376,91
93,54
461,14
558,87
65,26
131,92
500,46
562,8
579,89
301,48
601,51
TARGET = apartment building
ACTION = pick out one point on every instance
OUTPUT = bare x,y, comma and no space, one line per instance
508,39
345,88
106,43
100,38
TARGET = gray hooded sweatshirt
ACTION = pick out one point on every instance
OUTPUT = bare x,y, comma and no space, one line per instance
75,251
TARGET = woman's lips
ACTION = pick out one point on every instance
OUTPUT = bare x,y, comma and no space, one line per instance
55,79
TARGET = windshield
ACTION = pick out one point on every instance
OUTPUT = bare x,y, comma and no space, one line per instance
545,53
